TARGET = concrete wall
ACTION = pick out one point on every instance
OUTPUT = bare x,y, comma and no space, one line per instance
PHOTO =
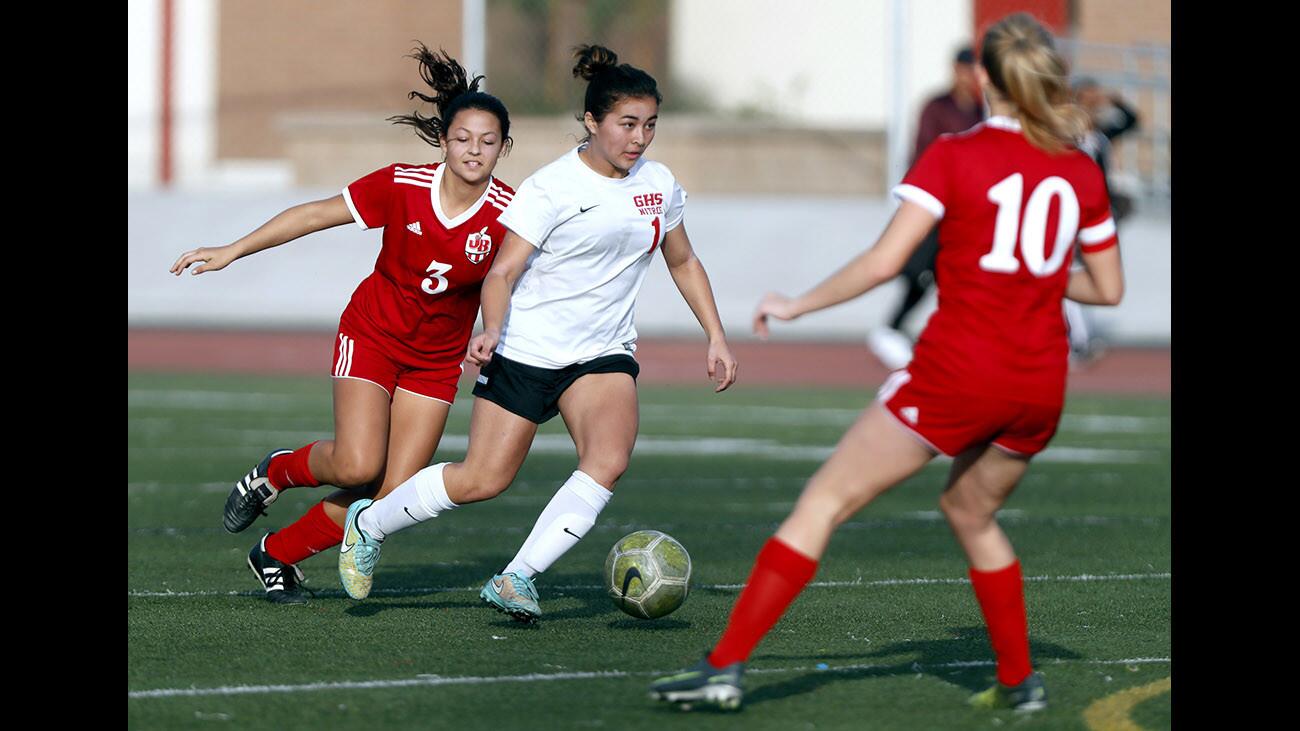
748,244
823,64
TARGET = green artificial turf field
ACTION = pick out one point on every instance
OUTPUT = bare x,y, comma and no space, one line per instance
888,635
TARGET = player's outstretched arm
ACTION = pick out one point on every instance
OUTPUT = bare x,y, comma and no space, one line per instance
693,282
494,300
286,226
867,270
1100,281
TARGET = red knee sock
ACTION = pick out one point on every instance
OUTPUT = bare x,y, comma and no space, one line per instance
310,534
779,574
291,470
1001,595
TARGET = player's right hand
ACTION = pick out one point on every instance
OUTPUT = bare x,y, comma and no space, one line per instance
773,305
482,346
214,258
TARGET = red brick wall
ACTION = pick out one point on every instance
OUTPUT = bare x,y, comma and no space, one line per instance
1055,14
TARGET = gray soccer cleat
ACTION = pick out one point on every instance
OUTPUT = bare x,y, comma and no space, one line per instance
1029,695
702,684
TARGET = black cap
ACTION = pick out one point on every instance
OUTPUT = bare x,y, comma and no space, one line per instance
966,56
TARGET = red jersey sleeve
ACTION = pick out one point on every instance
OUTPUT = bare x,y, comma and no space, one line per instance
368,198
1096,227
926,184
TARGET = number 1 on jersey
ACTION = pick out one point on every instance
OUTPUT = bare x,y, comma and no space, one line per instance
655,242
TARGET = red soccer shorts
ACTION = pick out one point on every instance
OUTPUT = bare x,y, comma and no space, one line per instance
953,422
359,356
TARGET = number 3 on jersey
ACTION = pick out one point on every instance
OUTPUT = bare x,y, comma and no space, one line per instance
438,269
1032,231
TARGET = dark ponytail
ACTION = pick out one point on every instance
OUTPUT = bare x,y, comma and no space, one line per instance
608,82
453,92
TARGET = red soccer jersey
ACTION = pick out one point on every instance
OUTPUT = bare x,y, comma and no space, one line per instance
423,297
1010,214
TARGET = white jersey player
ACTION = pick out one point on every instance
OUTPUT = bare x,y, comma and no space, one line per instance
594,238
559,336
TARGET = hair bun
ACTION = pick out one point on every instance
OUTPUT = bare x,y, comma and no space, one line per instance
592,61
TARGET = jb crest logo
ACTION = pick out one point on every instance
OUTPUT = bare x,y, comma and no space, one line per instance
478,246
648,204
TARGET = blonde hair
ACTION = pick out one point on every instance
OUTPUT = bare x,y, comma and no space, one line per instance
1021,60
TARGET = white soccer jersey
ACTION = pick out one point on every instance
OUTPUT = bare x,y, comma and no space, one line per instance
595,237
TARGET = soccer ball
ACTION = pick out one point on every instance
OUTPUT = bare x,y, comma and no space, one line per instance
648,574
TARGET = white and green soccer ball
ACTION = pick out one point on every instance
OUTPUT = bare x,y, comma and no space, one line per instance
648,574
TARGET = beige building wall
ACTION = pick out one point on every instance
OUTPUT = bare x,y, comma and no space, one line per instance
1124,21
299,57
1132,23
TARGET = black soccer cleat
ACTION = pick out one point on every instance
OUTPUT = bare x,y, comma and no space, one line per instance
282,581
251,495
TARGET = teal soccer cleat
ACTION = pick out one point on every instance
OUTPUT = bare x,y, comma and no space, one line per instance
358,554
513,594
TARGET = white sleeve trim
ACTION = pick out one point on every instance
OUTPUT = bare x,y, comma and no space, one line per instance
1099,233
347,198
920,197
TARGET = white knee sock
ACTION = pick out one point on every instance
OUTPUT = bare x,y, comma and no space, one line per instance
568,517
420,498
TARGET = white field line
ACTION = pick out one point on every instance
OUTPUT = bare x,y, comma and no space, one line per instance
814,416
1113,424
436,680
515,496
663,446
221,400
650,413
420,591
1006,517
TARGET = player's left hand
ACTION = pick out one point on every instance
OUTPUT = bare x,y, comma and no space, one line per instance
482,346
722,365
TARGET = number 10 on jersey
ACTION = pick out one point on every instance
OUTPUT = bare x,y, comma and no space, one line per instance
1032,230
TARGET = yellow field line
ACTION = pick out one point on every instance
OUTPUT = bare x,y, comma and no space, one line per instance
1111,713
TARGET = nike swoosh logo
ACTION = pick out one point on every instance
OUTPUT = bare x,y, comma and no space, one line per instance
575,535
497,584
346,546
632,573
408,512
570,218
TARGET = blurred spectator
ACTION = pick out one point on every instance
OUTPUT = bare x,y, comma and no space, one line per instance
957,110
1111,117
